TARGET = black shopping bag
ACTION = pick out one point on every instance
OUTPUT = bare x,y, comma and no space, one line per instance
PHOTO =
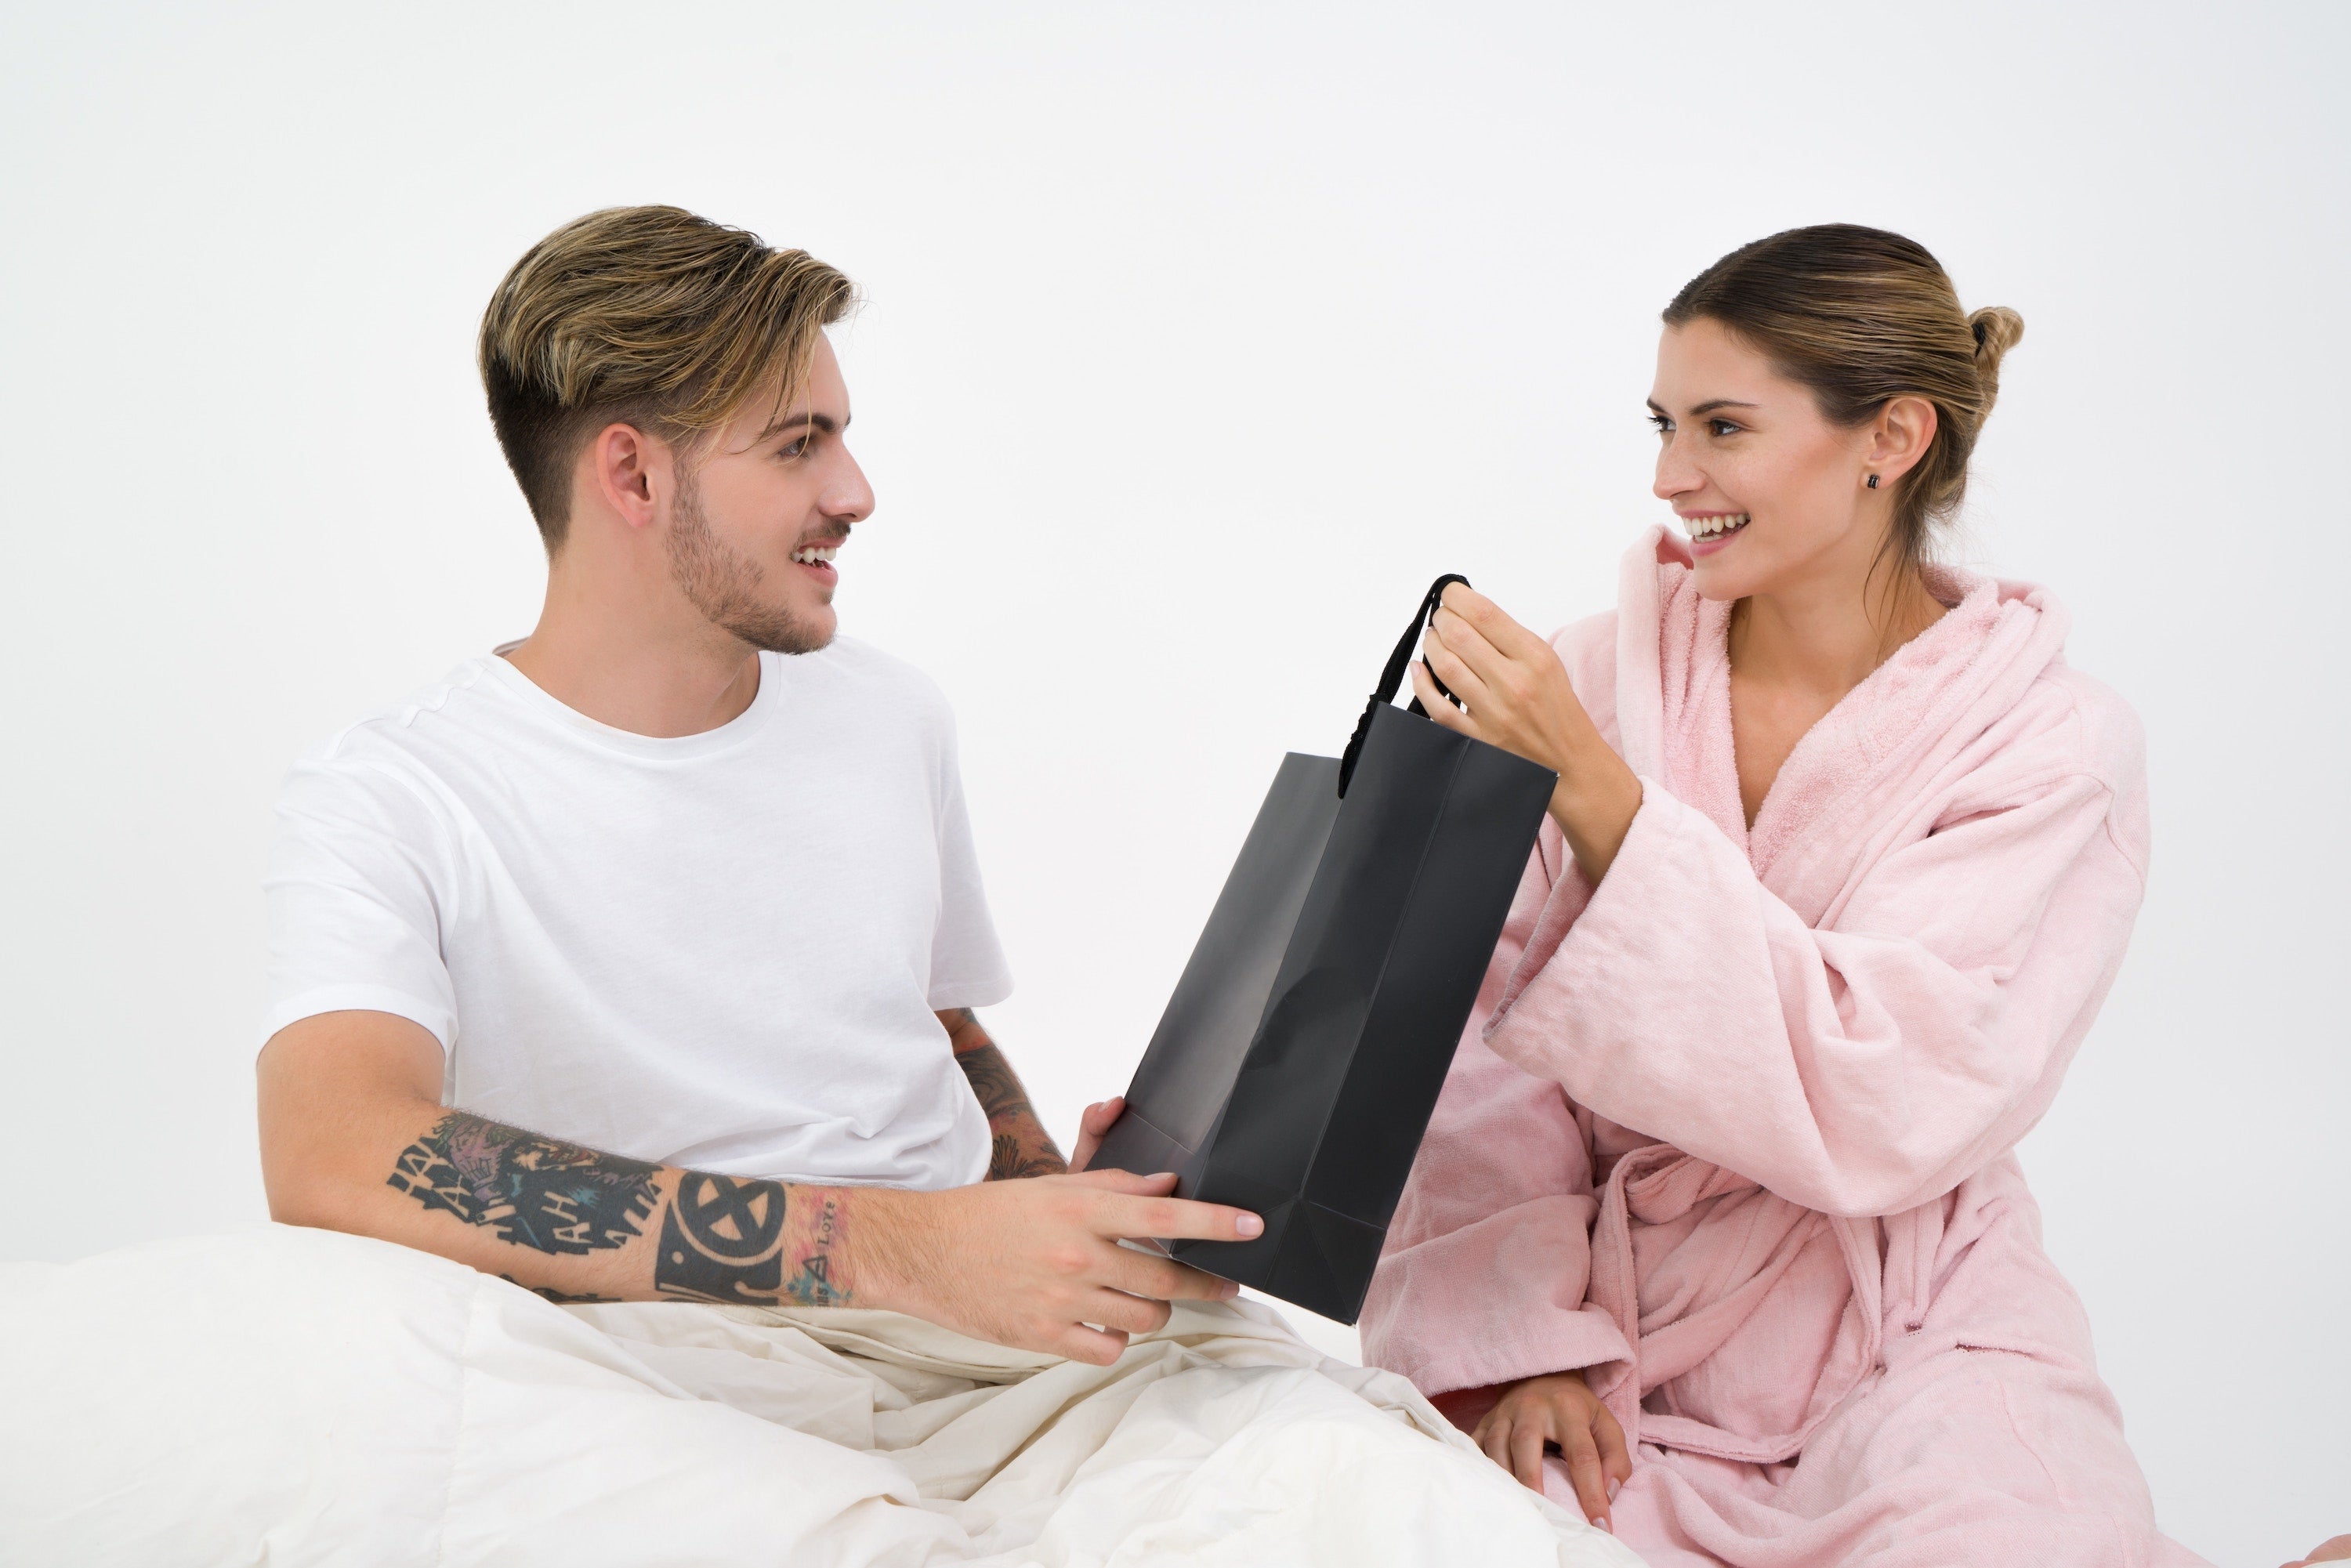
1295,1069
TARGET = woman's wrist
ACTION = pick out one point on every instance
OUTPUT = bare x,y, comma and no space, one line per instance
1594,803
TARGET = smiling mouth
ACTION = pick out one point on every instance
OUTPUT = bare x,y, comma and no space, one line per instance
816,555
1719,527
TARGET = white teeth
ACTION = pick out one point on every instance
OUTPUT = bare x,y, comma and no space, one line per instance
810,556
1707,528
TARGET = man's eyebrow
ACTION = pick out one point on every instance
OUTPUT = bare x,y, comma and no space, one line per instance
823,422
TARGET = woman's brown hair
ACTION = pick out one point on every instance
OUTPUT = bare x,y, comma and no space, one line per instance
1861,317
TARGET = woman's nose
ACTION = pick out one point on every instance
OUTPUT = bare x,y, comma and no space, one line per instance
1676,475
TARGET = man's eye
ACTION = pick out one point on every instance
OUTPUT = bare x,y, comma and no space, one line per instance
796,448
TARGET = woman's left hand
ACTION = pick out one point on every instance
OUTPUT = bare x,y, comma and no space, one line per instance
1517,696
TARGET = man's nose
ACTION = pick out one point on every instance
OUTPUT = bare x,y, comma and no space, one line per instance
848,496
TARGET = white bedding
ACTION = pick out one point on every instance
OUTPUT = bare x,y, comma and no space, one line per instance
289,1397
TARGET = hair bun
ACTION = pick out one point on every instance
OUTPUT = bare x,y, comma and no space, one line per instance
1996,328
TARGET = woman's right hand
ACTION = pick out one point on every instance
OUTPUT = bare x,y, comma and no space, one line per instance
1559,1409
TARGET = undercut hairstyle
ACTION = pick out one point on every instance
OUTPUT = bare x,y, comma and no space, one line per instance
1862,317
644,316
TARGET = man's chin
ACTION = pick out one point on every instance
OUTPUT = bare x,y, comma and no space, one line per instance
805,631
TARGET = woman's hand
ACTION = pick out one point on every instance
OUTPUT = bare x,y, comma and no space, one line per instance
1518,698
1559,1409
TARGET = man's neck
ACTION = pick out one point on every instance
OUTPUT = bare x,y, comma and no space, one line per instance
640,667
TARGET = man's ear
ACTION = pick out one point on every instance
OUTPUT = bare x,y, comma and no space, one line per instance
1903,431
627,469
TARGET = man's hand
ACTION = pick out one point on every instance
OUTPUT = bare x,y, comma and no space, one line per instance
1036,1264
1561,1409
1093,1127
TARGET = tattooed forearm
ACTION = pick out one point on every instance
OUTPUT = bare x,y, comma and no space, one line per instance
534,1192
1020,1145
744,1243
562,1298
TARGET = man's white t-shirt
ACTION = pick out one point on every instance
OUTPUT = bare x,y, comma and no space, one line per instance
721,951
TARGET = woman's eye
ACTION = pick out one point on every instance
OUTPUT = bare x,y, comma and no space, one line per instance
1722,427
1663,426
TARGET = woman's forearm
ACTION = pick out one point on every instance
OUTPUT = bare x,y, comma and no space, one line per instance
1596,802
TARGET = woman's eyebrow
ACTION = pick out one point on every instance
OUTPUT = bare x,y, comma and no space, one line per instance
1705,408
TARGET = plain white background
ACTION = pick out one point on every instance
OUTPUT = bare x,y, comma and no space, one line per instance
1200,338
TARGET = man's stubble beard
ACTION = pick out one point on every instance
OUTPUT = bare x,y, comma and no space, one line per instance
724,583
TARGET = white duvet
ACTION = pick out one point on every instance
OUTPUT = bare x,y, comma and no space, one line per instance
285,1397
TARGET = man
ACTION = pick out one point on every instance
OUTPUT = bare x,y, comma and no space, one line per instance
638,960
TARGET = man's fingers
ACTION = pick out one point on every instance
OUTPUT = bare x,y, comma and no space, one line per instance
1177,1219
1582,1458
1113,1180
1161,1279
1133,1314
1092,1128
1096,1347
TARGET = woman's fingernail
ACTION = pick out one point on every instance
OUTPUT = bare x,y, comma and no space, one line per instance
1602,1524
1614,1486
1161,1176
1248,1225
1231,1290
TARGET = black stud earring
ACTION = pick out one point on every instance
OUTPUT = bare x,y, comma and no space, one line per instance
1873,481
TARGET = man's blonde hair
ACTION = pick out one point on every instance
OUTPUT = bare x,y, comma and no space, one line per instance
646,315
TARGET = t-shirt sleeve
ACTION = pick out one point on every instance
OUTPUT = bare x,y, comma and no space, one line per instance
967,966
354,915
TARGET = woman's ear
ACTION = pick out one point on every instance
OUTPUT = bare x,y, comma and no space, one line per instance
1905,429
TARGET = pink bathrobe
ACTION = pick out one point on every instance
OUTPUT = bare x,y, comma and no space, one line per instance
1736,1131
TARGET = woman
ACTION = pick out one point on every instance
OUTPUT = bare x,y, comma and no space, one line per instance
1721,1198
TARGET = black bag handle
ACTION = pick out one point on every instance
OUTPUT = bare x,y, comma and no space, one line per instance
1392,677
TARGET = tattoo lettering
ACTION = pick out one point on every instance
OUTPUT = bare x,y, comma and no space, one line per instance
814,1286
534,1192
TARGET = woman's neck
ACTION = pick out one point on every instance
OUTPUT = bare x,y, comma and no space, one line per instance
1826,638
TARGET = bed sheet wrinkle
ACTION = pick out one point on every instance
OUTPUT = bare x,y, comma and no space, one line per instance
308,1399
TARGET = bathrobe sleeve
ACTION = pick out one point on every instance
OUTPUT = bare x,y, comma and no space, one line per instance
1488,1255
1871,1065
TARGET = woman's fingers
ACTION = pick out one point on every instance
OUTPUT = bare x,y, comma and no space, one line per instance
1445,662
1443,712
1476,656
1583,1457
1494,1436
1527,1439
1615,1460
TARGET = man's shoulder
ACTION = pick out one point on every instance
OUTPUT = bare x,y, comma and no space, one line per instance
868,675
398,729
